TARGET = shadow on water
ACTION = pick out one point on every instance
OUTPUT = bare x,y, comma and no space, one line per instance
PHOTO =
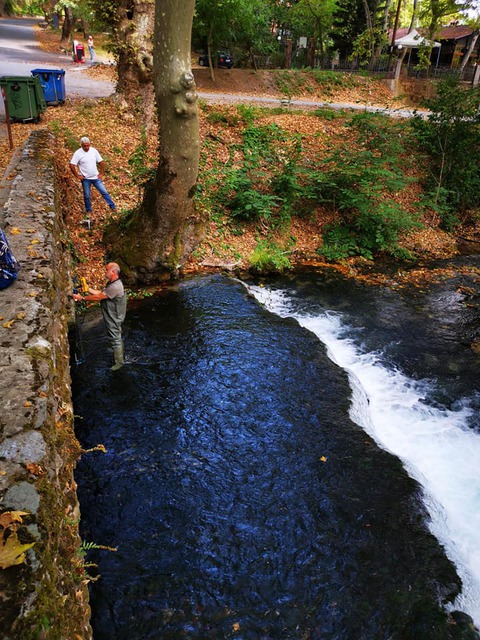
242,499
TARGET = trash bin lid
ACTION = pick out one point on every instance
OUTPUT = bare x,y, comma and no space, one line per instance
52,71
6,79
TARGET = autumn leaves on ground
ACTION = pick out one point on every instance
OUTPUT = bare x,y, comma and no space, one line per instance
118,136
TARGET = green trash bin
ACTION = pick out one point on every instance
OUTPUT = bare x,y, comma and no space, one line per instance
24,95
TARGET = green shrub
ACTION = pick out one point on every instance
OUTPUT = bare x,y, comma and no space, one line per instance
264,187
360,186
247,203
269,256
449,138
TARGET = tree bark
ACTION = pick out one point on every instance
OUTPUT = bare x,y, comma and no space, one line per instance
68,24
134,49
287,61
160,236
311,53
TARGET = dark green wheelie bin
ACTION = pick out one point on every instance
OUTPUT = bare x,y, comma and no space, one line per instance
24,95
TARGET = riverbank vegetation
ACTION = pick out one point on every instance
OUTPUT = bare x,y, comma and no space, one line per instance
284,188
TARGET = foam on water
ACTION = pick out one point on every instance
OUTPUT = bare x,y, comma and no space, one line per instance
435,446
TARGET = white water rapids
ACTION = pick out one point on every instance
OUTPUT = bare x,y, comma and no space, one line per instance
434,445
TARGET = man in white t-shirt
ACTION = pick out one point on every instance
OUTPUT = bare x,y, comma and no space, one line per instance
83,165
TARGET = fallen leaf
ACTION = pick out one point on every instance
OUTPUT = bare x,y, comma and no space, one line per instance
12,552
15,231
35,469
35,241
21,315
8,324
236,626
9,518
323,459
27,403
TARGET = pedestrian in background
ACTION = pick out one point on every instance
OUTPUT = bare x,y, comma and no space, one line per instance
83,165
91,48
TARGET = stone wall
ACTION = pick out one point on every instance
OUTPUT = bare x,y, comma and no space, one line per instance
45,596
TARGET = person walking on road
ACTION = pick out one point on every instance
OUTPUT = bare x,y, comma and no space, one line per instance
113,302
83,165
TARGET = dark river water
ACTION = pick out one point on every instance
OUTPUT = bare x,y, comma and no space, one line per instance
296,458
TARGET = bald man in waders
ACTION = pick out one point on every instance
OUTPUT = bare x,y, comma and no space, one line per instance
113,302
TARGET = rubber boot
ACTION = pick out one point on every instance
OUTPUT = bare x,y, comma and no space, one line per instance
118,357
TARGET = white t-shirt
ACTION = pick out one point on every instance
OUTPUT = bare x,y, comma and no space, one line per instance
87,162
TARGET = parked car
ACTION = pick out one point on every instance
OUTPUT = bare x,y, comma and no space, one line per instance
223,60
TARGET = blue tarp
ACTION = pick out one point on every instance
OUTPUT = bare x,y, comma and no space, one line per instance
9,267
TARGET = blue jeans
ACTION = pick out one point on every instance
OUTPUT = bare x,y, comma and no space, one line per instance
100,187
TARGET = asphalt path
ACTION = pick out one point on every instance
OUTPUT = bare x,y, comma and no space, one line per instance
20,53
306,104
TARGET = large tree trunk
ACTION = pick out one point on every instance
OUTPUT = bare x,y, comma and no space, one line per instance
164,231
135,57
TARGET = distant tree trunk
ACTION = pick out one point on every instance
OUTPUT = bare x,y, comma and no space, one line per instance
378,49
287,61
399,62
320,38
436,14
371,30
401,56
414,20
469,51
252,57
210,54
165,229
68,25
134,49
85,28
311,53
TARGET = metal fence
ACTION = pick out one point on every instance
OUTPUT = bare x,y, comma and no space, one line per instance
384,66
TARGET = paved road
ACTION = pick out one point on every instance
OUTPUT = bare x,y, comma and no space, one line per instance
304,104
20,53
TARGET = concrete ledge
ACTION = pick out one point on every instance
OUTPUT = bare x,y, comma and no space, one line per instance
46,595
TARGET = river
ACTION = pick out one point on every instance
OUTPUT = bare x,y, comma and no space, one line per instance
291,458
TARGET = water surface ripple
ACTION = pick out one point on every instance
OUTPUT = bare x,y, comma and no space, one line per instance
243,500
